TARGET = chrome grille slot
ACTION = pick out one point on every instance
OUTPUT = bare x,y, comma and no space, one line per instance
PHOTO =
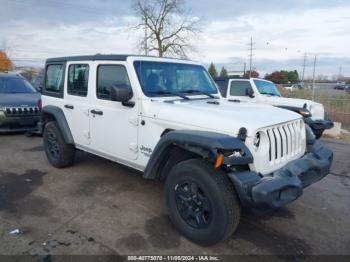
285,141
22,111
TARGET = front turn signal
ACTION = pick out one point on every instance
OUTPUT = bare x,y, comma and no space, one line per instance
219,160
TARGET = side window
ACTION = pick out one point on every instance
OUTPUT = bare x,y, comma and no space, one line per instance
54,78
239,88
108,76
78,78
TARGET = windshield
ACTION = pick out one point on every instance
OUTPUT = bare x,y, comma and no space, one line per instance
15,85
173,79
266,88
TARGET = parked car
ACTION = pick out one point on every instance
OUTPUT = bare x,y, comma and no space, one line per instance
19,104
340,87
262,91
165,117
37,82
292,87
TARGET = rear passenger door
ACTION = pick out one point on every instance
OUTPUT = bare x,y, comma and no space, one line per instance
113,126
76,101
239,89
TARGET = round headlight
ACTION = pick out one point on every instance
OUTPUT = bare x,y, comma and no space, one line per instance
256,140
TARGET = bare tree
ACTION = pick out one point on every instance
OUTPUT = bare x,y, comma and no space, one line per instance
168,27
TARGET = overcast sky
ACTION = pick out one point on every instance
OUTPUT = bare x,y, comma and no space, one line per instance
282,31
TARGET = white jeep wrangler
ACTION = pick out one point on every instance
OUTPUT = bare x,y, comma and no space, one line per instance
262,91
165,117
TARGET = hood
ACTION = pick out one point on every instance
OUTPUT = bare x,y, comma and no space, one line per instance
227,117
285,101
316,109
19,100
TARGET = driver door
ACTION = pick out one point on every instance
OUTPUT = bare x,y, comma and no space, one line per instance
113,125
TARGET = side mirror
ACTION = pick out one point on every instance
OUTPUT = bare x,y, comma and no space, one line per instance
121,93
250,92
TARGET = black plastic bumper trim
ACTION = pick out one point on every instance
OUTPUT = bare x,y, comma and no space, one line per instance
284,185
319,124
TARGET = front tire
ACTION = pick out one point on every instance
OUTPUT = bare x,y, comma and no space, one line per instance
58,152
201,202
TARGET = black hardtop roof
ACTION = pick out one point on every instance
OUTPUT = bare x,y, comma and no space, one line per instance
231,77
112,57
88,57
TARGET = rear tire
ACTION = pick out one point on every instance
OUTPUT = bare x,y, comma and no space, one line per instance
201,202
58,152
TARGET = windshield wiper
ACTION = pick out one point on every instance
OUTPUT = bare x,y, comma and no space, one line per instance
191,91
161,92
271,94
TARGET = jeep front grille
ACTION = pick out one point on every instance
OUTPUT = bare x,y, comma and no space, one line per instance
285,141
22,111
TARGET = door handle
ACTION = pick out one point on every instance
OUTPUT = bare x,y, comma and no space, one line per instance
96,112
69,106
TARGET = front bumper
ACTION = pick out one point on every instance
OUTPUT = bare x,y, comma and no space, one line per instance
318,126
284,185
18,124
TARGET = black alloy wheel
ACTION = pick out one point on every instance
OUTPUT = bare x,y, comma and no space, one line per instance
193,204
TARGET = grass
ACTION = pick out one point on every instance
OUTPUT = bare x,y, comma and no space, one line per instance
337,105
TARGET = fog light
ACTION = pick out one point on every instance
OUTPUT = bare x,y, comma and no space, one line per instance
289,194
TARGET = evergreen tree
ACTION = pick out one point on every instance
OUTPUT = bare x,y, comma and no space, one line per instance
212,70
223,72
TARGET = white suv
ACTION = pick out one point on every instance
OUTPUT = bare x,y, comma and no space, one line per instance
165,117
262,91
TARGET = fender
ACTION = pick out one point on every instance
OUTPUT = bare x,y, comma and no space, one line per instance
206,144
58,114
300,110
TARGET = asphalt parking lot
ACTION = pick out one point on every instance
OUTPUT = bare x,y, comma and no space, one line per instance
100,207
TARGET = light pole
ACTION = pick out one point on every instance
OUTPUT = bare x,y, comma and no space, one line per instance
313,80
304,64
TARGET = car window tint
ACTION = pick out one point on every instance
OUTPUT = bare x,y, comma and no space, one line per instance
108,76
15,85
222,85
54,78
239,88
78,78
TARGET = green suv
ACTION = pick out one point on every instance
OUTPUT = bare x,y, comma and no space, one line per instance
19,104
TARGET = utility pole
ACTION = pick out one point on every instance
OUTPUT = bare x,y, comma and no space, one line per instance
304,65
244,65
340,73
313,80
251,56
